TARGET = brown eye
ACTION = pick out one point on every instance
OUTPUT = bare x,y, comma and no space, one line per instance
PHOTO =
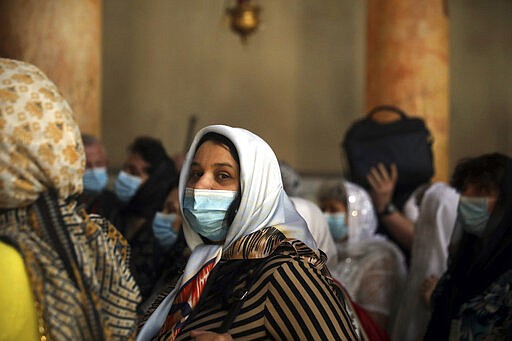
223,177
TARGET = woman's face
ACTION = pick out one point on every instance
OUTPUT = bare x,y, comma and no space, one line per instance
213,167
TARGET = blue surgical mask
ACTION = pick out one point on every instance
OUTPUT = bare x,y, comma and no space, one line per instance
126,186
95,179
163,230
337,224
205,211
473,214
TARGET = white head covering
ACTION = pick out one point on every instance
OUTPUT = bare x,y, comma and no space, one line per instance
263,203
429,254
362,220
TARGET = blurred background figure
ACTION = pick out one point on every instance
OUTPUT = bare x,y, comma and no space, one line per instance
432,232
170,251
310,211
142,187
64,273
396,220
96,197
371,268
472,300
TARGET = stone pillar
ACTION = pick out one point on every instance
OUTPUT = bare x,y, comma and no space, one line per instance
407,65
63,38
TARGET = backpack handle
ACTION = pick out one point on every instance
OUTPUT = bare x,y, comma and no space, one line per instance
392,108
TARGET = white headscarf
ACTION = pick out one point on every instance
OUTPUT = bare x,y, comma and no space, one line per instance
263,203
429,254
362,220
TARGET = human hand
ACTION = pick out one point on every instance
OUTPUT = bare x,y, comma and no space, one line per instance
202,335
382,185
427,288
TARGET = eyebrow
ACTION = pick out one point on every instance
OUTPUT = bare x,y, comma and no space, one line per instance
218,164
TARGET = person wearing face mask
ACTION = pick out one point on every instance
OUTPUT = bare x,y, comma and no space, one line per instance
96,197
371,268
142,187
310,211
472,300
170,251
255,270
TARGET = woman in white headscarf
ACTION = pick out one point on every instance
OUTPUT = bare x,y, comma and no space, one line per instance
255,271
371,268
63,273
429,254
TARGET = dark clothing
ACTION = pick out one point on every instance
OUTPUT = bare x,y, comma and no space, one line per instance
135,221
104,203
476,271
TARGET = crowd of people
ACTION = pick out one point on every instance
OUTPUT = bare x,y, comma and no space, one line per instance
226,246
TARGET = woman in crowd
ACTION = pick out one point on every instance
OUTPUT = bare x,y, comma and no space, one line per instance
142,187
63,273
254,271
472,300
433,229
371,268
171,252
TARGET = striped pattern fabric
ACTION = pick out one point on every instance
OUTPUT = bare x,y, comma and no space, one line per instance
292,296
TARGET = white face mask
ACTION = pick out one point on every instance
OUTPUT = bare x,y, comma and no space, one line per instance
206,210
474,214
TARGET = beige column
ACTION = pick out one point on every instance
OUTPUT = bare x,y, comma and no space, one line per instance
407,65
63,38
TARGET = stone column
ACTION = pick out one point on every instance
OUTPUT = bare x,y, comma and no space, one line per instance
407,65
63,38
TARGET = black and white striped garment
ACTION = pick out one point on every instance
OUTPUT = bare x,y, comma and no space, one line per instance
289,296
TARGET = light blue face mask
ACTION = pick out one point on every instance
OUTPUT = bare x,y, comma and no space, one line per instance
473,213
205,211
126,186
337,224
95,179
163,230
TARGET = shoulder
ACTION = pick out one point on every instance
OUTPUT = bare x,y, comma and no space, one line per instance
298,292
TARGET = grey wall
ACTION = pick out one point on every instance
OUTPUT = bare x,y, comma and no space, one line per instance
298,83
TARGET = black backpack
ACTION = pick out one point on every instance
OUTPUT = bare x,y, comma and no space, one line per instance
406,142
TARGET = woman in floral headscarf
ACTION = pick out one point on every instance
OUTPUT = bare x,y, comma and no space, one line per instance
254,271
64,275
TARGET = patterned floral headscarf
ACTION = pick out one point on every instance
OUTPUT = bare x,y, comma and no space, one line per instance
40,145
76,263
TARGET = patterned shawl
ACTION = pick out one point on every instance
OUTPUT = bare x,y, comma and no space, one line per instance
75,263
263,203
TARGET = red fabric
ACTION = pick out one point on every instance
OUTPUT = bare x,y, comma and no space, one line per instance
372,329
186,300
